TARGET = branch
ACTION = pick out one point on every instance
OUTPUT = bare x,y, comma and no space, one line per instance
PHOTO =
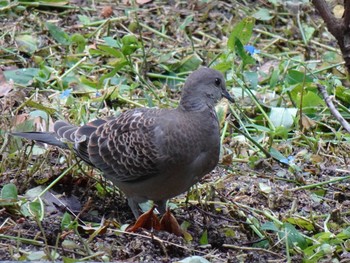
332,108
339,28
334,25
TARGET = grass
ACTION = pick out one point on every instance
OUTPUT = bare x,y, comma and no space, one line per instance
281,190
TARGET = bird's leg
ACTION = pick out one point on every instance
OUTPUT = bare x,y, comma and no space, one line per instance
134,207
161,206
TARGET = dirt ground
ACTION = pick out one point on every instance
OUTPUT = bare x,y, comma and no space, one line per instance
238,213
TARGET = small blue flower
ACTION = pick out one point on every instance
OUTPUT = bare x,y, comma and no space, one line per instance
64,94
251,49
98,94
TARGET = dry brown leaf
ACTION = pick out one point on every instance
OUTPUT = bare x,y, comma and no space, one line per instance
20,119
107,11
148,220
308,124
169,223
5,86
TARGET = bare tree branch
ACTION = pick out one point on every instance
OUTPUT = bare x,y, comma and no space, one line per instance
332,108
339,28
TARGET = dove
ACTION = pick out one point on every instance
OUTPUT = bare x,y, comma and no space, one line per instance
148,153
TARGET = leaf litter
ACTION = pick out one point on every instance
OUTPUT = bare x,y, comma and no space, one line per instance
81,63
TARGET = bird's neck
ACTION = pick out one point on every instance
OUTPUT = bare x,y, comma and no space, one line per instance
190,102
199,107
192,106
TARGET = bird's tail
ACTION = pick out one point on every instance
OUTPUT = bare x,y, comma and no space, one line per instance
44,137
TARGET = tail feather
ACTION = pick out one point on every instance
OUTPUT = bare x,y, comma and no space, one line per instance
44,137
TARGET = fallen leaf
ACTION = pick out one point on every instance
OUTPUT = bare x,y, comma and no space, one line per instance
169,223
107,11
308,124
147,220
5,87
20,119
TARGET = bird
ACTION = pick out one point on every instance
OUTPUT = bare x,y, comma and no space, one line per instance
150,153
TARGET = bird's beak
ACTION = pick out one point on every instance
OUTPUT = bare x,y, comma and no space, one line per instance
226,95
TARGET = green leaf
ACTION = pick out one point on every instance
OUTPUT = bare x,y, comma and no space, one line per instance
269,226
130,44
66,221
9,191
296,77
79,41
277,155
112,73
39,113
229,232
204,238
246,58
345,234
110,51
23,76
312,100
44,73
308,31
242,31
58,34
111,42
274,78
301,222
327,249
262,244
84,19
27,43
37,256
343,94
294,238
331,57
40,106
37,209
280,132
223,66
258,127
251,77
188,20
34,192
190,63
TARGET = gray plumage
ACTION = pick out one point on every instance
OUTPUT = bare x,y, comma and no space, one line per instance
152,154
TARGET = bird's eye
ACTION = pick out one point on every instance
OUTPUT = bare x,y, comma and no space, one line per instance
217,82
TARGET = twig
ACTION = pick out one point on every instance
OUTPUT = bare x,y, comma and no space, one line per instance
252,249
332,108
319,184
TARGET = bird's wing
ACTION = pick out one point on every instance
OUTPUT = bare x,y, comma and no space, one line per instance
123,148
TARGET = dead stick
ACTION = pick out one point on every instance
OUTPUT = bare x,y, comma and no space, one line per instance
332,108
